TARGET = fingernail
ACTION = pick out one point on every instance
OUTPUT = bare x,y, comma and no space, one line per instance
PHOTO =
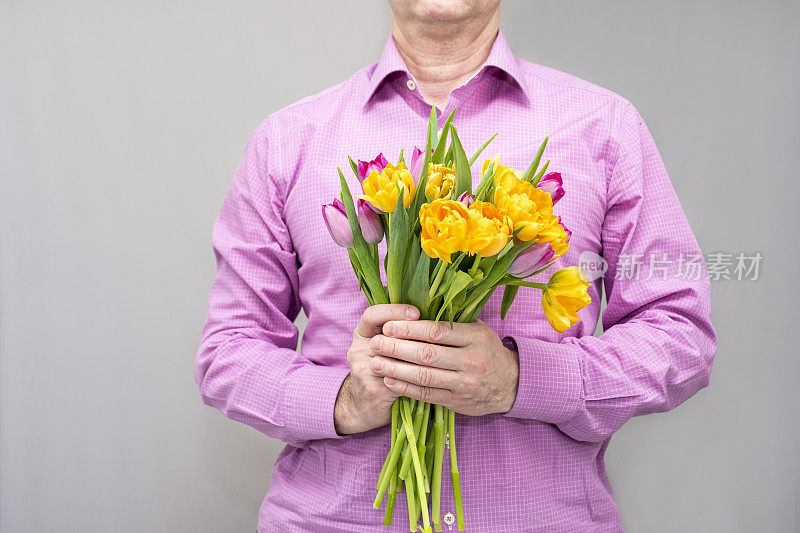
389,381
377,363
376,342
389,329
412,313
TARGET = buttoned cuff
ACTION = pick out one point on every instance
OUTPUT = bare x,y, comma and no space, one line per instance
310,399
549,380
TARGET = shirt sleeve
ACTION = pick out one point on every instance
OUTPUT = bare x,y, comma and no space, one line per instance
658,342
247,365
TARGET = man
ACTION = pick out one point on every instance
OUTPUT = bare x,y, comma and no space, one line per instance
536,408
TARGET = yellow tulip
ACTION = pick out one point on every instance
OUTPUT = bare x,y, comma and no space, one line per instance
565,295
381,189
441,181
557,235
529,208
443,228
489,229
499,170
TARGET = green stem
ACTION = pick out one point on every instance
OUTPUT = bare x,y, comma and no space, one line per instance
511,280
420,487
418,416
475,265
467,311
430,452
392,437
422,440
438,456
411,501
391,467
438,274
387,517
451,428
376,257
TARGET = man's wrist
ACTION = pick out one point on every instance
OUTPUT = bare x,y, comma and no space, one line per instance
511,346
343,409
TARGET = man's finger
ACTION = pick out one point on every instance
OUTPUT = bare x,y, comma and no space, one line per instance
420,353
423,376
430,331
376,316
426,394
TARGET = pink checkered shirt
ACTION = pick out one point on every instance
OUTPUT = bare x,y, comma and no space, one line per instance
538,467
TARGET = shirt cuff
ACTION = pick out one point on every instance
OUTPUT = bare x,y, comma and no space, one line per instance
310,399
549,380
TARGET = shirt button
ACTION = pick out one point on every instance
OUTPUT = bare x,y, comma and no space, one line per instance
411,85
449,519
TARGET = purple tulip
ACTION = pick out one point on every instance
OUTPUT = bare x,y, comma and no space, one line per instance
552,184
566,229
417,159
338,225
466,198
365,168
534,257
531,259
370,222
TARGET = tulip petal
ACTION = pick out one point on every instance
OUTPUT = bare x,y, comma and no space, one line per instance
552,184
337,223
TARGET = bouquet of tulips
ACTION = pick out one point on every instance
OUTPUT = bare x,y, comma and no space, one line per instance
448,249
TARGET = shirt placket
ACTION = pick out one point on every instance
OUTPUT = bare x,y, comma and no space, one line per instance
409,89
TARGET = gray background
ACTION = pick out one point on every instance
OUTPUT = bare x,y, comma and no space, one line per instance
120,126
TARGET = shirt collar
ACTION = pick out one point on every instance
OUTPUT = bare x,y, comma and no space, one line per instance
500,57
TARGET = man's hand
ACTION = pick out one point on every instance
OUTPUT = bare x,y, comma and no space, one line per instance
466,369
364,402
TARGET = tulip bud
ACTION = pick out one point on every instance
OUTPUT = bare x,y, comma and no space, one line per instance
538,255
466,199
370,222
417,159
531,259
365,168
336,219
552,184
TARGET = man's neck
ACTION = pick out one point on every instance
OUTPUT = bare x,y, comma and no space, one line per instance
444,57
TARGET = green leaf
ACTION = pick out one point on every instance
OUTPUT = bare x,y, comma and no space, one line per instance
354,166
463,174
362,286
396,250
499,270
535,163
459,282
368,269
450,271
540,174
476,309
433,128
509,294
420,283
439,152
485,190
352,217
413,253
419,193
400,159
480,150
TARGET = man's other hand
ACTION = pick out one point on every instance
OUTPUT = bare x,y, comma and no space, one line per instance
364,402
466,369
